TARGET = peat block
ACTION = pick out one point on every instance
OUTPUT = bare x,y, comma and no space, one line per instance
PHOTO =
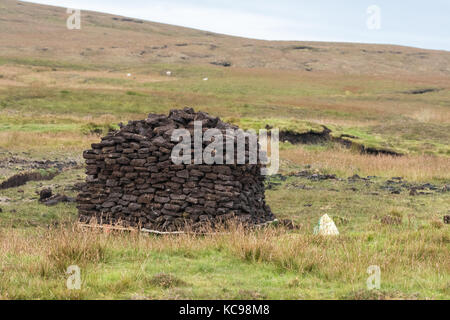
133,181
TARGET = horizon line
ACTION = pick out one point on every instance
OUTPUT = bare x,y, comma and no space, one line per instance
239,36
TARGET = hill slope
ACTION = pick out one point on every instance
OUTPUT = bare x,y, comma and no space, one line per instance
39,31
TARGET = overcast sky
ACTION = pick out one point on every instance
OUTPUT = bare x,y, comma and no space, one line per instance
417,23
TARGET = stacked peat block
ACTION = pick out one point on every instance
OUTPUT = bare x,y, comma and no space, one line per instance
132,180
447,219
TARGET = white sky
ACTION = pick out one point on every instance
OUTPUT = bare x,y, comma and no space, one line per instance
417,23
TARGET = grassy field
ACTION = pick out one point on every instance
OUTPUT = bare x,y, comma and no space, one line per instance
53,107
44,121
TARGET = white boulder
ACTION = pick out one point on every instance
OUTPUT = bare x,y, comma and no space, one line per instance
326,227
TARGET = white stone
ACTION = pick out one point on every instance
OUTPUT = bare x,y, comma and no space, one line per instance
326,227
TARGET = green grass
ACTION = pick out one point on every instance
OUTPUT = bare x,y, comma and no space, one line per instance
267,264
44,122
35,127
290,125
126,269
251,100
35,62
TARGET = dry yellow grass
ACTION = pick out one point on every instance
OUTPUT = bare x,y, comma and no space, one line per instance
58,142
415,168
431,115
40,259
75,79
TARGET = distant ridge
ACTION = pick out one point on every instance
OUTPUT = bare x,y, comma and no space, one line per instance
36,31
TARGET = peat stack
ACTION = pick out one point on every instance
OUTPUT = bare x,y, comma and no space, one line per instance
134,179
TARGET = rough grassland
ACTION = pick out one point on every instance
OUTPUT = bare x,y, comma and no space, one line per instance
54,103
41,121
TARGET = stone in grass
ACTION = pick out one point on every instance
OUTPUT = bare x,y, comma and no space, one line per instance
54,200
45,194
326,227
447,219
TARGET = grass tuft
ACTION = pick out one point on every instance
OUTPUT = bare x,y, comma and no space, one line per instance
166,280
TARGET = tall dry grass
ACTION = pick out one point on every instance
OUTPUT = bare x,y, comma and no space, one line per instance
415,168
400,253
32,141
